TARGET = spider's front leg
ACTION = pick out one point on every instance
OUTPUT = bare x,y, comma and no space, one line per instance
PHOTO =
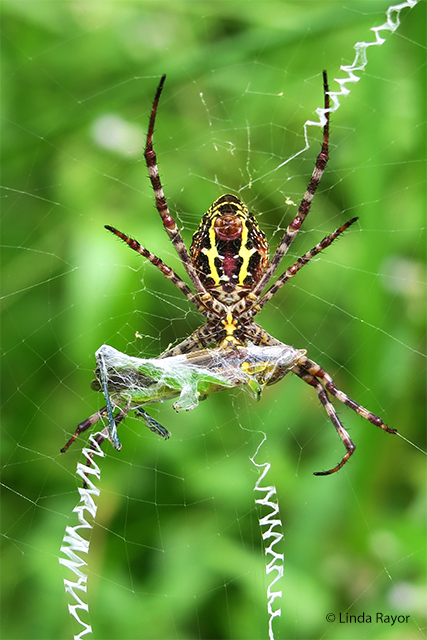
323,397
83,426
314,375
89,422
329,385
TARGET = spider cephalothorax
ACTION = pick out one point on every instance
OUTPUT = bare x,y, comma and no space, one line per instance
229,268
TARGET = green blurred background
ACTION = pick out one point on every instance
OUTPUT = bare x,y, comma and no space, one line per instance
176,550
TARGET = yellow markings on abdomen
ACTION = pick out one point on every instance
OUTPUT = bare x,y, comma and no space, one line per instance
212,253
245,254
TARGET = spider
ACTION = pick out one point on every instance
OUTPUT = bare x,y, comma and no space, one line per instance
229,267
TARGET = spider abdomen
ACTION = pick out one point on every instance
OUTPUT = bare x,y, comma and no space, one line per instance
229,250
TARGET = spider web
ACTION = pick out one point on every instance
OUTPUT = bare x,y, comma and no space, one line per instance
176,549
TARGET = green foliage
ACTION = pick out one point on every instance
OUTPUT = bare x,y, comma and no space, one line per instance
176,550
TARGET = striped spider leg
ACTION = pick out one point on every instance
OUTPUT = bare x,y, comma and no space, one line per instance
110,431
314,375
229,267
202,300
99,438
228,261
304,208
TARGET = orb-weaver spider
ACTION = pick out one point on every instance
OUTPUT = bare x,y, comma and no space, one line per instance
229,267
